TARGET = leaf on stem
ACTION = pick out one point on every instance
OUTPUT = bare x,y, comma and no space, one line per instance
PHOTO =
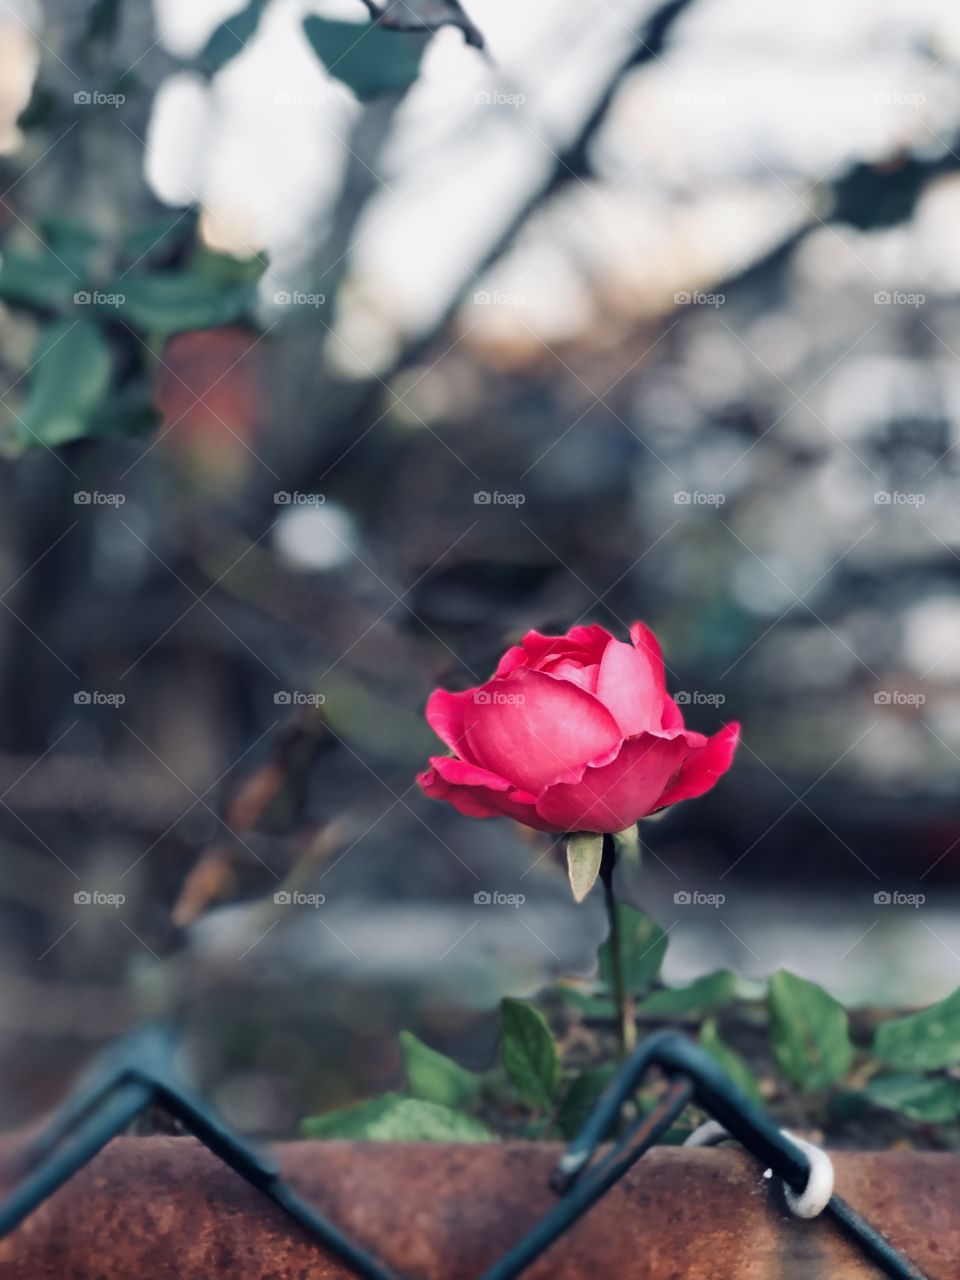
584,854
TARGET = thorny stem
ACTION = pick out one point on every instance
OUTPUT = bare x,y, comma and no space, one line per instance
626,1007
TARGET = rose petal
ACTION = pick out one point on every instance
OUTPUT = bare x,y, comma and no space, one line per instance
535,730
615,795
647,643
477,792
568,669
703,766
627,687
584,644
445,715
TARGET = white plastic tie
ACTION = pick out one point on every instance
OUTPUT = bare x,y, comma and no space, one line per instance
808,1203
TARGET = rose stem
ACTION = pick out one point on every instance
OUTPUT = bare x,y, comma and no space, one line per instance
626,1009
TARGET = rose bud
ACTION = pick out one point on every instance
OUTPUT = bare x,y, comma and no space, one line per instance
572,733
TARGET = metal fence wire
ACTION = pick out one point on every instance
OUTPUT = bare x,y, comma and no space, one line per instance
139,1072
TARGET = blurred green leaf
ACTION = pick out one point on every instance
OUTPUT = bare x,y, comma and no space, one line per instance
644,946
922,1041
434,1077
932,1099
69,378
529,1053
584,855
369,59
709,992
231,37
40,279
174,303
808,1031
731,1061
581,1097
395,1118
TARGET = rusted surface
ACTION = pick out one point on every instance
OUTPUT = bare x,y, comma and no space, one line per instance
164,1209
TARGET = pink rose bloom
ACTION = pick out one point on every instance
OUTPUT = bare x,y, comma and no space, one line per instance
572,733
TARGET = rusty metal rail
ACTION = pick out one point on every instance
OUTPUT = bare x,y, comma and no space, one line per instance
162,1207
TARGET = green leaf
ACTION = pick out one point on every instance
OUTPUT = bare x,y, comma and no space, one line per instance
231,37
529,1053
581,1097
394,1118
69,378
808,1031
932,1099
434,1077
174,303
369,59
730,1060
584,855
644,946
37,280
709,992
922,1041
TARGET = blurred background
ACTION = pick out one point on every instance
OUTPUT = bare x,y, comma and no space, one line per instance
338,353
